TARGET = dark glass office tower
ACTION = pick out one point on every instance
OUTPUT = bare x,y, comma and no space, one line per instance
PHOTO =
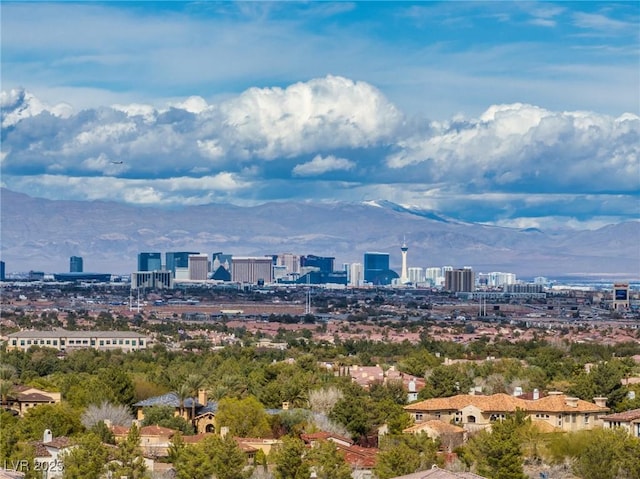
324,263
75,264
149,261
376,269
177,259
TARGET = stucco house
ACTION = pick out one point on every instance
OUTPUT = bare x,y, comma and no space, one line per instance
205,410
475,412
48,454
23,398
628,420
449,435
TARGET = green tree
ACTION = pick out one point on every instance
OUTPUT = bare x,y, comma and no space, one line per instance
396,460
404,454
244,417
227,460
498,454
328,462
128,457
60,418
9,436
290,460
189,462
603,380
87,460
120,385
446,381
165,416
608,454
353,412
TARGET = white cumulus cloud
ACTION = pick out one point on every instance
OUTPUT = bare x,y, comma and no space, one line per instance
319,165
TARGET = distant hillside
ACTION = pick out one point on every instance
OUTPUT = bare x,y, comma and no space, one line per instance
42,234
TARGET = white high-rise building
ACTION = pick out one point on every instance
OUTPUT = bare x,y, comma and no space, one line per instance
416,275
356,274
290,261
198,267
404,277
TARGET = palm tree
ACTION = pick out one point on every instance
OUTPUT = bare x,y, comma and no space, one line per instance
183,393
7,375
194,383
6,390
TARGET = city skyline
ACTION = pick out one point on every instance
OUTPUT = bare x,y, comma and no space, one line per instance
534,125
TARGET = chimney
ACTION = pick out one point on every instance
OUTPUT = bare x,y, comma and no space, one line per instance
202,396
47,436
536,394
571,401
600,401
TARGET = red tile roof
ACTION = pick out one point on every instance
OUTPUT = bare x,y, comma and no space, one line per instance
505,403
625,416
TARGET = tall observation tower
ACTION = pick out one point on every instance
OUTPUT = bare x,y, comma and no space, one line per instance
404,278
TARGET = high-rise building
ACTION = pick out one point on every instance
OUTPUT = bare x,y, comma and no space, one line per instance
75,264
152,280
290,261
459,280
434,276
177,259
404,276
253,270
198,267
2,271
149,261
620,296
323,263
416,275
376,268
356,276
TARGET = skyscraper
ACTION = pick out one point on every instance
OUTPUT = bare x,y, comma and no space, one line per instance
376,268
323,263
416,275
177,259
355,274
149,261
198,267
2,271
75,264
459,280
248,269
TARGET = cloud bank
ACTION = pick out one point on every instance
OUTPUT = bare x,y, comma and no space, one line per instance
329,138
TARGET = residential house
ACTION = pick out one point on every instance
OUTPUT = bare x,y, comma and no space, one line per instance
367,375
154,440
361,459
23,398
449,435
204,418
48,454
628,420
475,412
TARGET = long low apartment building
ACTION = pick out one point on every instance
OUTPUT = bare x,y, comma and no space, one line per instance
64,340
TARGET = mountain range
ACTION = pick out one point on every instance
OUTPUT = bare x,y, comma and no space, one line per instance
41,234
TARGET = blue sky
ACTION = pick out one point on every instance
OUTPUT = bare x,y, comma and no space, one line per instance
519,114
